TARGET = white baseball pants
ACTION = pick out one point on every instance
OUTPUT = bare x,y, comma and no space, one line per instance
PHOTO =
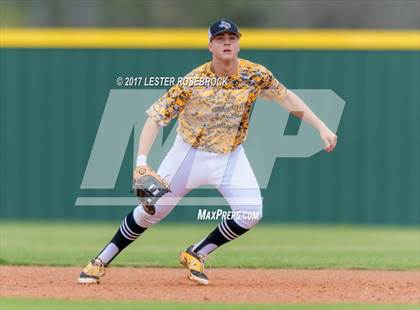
186,168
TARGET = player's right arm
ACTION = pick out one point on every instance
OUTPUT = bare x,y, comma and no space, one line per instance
160,114
146,139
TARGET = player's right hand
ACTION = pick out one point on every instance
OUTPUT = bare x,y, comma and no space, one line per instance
140,171
149,187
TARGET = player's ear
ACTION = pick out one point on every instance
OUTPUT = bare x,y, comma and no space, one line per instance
210,47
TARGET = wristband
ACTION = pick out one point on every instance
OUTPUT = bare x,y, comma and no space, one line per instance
141,160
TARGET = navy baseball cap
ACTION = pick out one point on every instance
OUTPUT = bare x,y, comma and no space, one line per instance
222,26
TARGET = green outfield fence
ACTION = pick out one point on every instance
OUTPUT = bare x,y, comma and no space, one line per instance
53,96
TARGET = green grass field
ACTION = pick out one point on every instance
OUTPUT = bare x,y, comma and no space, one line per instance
49,304
273,246
267,246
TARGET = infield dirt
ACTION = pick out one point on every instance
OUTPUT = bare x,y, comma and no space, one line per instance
227,285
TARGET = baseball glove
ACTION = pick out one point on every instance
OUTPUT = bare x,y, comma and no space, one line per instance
149,187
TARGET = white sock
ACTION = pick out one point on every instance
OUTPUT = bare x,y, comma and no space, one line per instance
207,249
108,253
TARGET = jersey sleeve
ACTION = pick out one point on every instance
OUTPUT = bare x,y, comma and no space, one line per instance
271,88
169,105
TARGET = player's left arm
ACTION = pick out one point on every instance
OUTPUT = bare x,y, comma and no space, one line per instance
293,104
272,89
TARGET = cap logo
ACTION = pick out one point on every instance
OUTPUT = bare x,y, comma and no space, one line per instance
224,24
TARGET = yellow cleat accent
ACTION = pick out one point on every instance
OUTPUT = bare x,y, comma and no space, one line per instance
194,262
92,272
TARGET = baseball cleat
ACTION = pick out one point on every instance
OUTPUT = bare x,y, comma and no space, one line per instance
92,272
194,262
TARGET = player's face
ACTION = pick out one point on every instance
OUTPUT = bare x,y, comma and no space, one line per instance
225,46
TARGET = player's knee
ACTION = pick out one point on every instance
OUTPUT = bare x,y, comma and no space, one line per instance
249,217
145,219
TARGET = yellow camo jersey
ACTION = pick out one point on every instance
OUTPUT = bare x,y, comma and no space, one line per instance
214,116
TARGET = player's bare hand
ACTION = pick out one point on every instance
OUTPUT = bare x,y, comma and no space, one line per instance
329,138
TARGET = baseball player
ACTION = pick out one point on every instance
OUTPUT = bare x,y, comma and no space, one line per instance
213,119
